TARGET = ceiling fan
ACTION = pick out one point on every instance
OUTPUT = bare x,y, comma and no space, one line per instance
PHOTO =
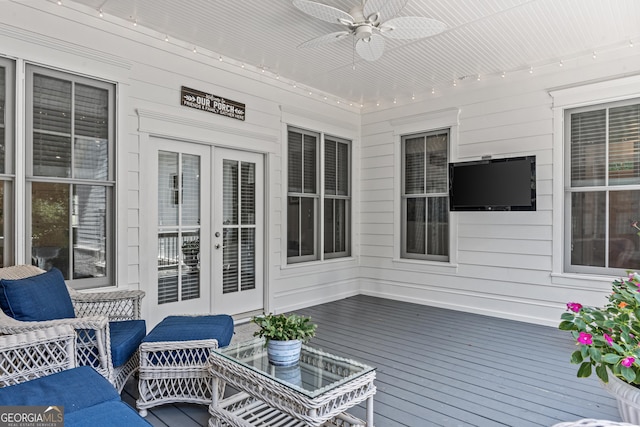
365,22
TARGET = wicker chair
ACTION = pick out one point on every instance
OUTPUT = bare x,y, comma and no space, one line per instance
94,312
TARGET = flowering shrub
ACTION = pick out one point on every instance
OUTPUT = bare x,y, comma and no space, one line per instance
608,337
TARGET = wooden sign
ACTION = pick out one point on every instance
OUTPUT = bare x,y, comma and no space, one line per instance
214,104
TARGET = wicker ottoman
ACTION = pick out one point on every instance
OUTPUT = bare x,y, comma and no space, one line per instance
173,359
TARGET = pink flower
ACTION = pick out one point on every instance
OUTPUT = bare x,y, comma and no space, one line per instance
585,338
574,306
627,361
608,339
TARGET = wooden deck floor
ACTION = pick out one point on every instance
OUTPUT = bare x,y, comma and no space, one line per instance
438,367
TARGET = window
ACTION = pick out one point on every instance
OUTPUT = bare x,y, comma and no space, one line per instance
70,175
602,188
6,161
337,198
425,198
313,211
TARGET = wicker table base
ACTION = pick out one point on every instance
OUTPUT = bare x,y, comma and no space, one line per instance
330,386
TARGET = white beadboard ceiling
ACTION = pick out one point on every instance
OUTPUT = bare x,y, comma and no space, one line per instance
483,38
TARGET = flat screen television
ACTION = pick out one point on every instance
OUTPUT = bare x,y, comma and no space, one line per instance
493,185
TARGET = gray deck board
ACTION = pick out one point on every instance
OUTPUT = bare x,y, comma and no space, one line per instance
438,367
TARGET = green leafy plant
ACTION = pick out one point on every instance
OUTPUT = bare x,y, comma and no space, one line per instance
608,337
282,327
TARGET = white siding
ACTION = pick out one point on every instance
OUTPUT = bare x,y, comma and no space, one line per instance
149,75
502,262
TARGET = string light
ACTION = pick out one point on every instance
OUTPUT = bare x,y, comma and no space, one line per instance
561,63
630,43
531,70
135,22
594,56
195,50
59,2
100,14
503,75
166,38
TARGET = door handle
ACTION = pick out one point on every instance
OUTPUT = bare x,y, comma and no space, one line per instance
219,246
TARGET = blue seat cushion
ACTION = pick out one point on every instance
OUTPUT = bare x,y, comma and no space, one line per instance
36,298
126,336
106,414
193,328
74,389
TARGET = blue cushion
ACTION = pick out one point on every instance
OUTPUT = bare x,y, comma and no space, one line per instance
107,414
36,298
74,389
192,328
126,336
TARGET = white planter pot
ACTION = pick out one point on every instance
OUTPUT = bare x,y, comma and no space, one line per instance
628,398
284,353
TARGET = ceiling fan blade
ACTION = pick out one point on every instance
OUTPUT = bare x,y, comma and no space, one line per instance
324,12
327,38
411,27
371,49
386,8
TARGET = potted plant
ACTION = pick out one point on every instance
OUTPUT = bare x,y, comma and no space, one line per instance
284,335
608,340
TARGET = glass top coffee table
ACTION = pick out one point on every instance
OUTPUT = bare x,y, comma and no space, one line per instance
315,392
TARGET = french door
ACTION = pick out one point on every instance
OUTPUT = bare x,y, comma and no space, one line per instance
238,231
209,230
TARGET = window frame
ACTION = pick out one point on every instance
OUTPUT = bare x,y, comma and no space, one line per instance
426,195
346,198
605,188
109,184
319,198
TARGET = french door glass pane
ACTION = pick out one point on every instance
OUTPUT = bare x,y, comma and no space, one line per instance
624,145
414,166
623,240
588,145
190,190
230,282
190,265
239,239
248,193
438,226
179,222
247,256
329,226
168,188
50,226
416,221
168,266
89,224
91,159
588,219
230,192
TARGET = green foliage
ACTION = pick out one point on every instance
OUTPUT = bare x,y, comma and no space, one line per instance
608,338
282,327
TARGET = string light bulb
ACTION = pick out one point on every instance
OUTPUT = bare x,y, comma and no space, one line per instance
166,38
561,64
594,56
531,70
630,43
100,14
59,2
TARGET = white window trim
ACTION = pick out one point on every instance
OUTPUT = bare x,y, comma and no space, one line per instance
564,99
435,120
